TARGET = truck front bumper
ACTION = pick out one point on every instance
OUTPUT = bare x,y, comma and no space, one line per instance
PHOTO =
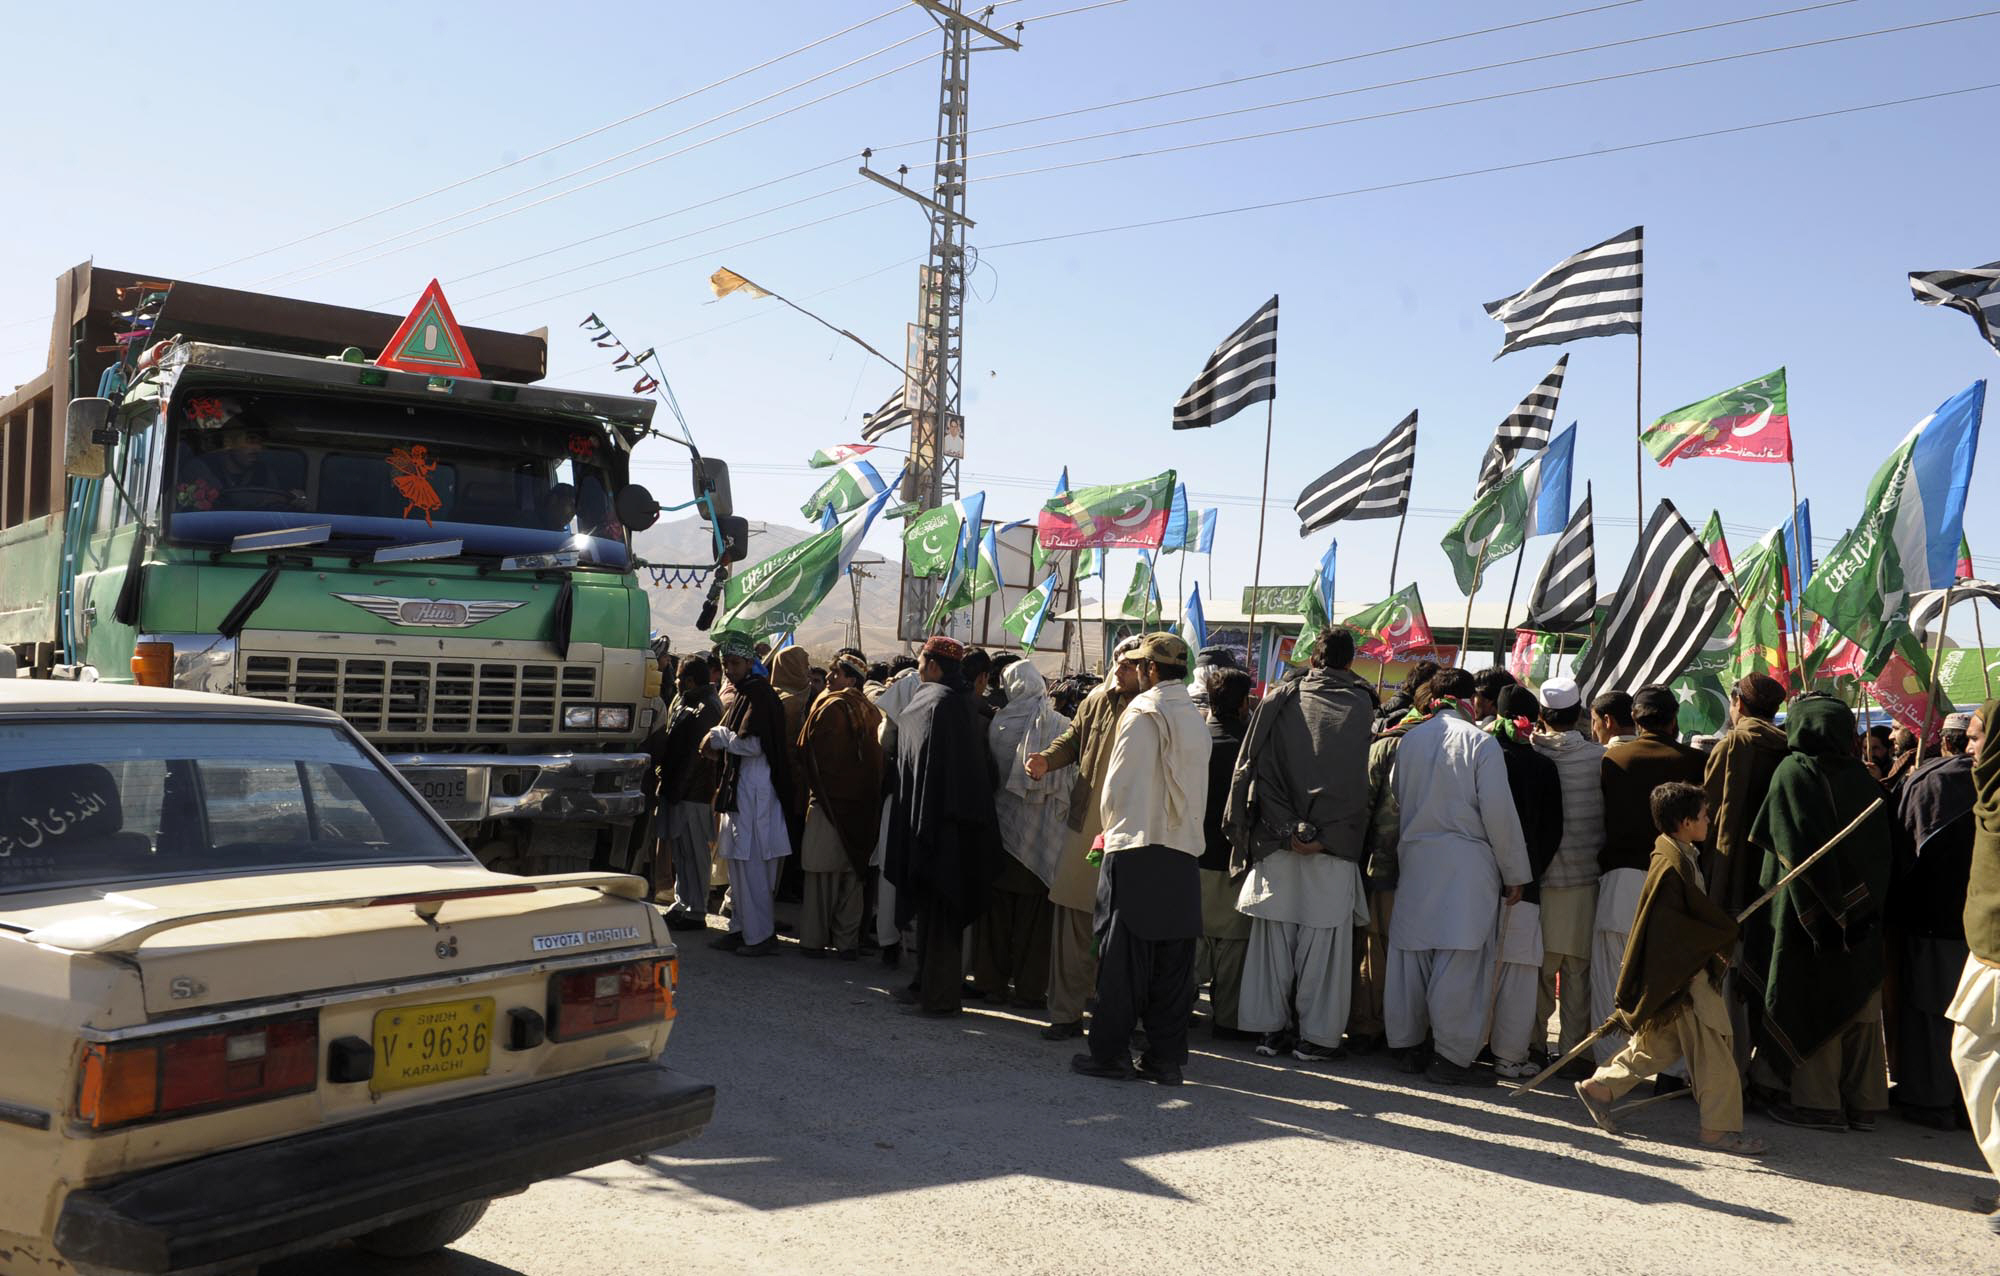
237,1209
578,788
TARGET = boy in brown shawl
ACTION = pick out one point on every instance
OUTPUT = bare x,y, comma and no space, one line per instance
1669,994
842,760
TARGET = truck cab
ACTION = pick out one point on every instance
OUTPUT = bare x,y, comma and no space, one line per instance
236,499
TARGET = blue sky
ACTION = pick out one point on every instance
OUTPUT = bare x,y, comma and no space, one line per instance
233,129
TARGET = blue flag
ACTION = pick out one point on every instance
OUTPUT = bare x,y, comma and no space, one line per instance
1798,565
1177,522
1201,536
1325,582
1194,627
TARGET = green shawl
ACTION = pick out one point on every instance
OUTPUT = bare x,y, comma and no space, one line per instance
1982,894
1813,956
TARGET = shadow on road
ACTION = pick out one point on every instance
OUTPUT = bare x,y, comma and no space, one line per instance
345,1260
827,1093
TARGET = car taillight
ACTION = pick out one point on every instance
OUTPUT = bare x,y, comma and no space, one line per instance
153,664
159,1077
583,1003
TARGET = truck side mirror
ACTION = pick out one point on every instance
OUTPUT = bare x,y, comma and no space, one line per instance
711,479
636,507
735,538
87,438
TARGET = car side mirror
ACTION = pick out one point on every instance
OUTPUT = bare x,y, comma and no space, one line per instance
87,438
637,509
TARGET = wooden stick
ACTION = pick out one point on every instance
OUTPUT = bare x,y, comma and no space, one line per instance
1257,572
1979,631
1741,917
1507,612
1937,673
1625,1109
1465,638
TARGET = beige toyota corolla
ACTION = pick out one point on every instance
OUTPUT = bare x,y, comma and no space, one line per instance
255,998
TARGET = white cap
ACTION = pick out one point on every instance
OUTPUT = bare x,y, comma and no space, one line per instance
1958,722
1560,693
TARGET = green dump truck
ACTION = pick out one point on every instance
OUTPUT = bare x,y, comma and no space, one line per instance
221,491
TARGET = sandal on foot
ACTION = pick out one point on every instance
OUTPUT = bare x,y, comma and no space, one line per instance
1600,1113
1737,1145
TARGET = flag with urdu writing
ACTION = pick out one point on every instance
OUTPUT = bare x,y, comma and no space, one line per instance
1393,628
838,454
1109,515
850,487
1026,620
777,594
1531,500
1907,539
1903,688
933,540
1747,423
1717,543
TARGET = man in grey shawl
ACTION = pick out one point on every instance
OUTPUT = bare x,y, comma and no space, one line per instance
1298,807
1010,943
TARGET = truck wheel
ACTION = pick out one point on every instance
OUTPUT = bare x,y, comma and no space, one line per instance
423,1234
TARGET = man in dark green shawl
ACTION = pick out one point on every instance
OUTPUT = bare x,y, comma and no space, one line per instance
1813,957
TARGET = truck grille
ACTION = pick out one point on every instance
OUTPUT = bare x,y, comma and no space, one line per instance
417,698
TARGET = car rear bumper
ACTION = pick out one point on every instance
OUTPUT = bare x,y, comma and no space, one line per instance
236,1209
570,788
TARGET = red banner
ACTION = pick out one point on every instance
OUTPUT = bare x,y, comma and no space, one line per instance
1906,699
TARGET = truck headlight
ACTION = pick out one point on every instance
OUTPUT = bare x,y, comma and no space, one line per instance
579,717
614,717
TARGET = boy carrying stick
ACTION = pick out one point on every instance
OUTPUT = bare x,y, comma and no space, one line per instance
1669,989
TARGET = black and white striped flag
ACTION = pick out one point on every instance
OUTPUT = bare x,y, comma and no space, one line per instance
1242,371
1975,291
1373,483
1927,606
1566,591
1670,601
1526,429
894,414
1596,293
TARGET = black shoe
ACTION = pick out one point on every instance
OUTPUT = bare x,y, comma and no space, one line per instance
765,947
1063,1031
1578,1069
1929,1118
1664,1085
892,955
1308,1052
1410,1059
682,919
1862,1122
1807,1118
908,996
1088,1065
1365,1044
1445,1072
1273,1044
728,943
1158,1073
1029,1003
973,992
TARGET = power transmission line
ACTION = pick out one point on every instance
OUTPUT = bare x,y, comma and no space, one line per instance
556,146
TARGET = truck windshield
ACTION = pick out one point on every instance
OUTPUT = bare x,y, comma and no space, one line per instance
391,473
118,801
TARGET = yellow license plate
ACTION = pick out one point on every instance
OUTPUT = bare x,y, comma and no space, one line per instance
422,1045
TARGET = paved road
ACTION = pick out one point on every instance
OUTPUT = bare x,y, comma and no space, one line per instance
850,1138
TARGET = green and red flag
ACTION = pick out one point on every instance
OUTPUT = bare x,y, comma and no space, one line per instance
1531,658
1964,569
839,454
1392,628
1747,423
1716,543
1903,689
1108,516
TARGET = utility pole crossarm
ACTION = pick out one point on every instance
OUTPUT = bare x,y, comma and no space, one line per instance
952,16
930,205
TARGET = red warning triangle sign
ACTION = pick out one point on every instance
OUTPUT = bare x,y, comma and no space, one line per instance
430,340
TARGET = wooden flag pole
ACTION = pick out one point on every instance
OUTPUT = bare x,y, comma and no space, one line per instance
1979,631
1639,426
1104,610
1797,586
1465,638
1257,572
1180,588
1395,557
1507,612
1741,917
1937,673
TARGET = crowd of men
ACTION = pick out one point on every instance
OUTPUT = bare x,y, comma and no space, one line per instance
1438,874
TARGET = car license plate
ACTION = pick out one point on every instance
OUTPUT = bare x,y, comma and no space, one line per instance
422,1045
445,790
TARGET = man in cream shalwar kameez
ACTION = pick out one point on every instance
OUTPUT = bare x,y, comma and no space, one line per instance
1462,855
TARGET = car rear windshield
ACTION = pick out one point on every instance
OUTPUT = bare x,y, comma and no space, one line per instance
84,802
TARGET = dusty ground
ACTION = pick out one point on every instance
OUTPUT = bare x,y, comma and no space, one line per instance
849,1137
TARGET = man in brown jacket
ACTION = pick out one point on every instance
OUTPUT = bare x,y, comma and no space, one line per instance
1631,770
1087,746
1739,775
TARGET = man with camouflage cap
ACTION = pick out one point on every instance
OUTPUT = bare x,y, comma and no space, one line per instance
1154,796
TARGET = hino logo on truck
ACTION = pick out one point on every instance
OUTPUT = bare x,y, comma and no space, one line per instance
429,613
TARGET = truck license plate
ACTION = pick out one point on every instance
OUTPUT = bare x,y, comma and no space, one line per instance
422,1045
445,790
